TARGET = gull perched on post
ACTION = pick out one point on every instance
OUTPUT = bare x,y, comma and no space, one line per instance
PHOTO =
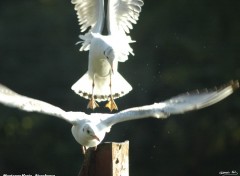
90,130
102,81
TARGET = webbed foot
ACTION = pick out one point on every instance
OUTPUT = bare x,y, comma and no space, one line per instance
92,104
111,104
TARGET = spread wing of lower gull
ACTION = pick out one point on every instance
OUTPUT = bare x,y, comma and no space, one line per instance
90,130
102,81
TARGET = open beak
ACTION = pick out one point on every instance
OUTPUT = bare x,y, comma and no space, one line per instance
95,137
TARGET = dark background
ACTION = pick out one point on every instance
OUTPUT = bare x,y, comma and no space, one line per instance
181,45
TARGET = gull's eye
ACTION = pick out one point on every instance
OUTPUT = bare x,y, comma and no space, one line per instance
88,131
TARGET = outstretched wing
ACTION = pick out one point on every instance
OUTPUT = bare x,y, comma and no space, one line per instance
90,14
176,105
12,99
199,99
122,14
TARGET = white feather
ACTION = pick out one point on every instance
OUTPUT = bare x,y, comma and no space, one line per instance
121,15
100,70
90,14
98,124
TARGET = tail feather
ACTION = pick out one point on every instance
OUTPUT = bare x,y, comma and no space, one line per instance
119,87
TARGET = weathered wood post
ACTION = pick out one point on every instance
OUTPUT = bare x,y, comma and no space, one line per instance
109,159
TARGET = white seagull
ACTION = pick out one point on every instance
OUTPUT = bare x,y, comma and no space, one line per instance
90,130
102,81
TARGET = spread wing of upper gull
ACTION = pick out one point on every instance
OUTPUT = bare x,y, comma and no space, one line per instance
90,130
102,81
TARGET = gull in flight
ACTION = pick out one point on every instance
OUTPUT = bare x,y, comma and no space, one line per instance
102,81
90,130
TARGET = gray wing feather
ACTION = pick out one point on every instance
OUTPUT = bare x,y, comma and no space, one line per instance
199,99
176,105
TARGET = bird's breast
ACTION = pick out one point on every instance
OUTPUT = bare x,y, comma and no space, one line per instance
98,63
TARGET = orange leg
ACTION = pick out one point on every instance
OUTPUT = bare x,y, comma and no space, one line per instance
111,103
92,104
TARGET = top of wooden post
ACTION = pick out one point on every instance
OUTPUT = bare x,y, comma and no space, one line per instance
109,159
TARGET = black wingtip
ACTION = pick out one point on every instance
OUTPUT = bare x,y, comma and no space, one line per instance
234,84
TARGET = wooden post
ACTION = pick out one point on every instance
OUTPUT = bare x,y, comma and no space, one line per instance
109,159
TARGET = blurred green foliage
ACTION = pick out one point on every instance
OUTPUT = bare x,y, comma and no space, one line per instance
181,46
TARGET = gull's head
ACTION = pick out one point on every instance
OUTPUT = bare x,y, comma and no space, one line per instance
110,55
87,134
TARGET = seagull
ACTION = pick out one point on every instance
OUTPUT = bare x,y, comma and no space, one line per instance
89,130
102,81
